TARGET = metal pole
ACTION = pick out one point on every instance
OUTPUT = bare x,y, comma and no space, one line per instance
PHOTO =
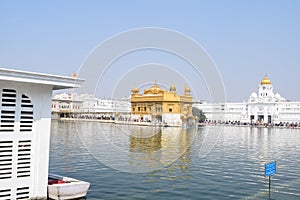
269,187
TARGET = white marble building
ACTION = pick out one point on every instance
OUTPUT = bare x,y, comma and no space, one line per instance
66,103
85,104
262,107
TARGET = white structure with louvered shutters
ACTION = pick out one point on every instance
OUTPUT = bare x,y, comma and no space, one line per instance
25,117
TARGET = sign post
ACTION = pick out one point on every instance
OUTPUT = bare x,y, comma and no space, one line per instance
270,169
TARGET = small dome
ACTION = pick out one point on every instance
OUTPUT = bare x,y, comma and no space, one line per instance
265,81
253,95
135,90
277,96
172,88
187,89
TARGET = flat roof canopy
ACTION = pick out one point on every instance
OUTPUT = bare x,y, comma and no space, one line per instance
57,82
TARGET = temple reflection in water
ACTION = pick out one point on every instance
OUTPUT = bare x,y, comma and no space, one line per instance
153,148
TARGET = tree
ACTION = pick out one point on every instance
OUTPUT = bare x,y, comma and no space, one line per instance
199,113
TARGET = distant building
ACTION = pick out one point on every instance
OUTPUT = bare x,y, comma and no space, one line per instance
66,103
261,107
156,104
87,106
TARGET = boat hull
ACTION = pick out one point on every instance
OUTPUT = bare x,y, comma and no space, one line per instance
71,189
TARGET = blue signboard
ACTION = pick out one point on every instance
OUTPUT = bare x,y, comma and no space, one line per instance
270,168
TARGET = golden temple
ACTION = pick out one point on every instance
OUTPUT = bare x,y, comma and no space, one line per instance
163,106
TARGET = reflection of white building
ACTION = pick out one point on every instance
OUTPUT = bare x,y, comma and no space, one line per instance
263,107
63,104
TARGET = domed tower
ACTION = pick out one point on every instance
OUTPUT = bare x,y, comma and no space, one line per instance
265,89
172,88
135,90
187,90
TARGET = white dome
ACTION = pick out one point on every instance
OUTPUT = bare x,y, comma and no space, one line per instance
277,96
253,95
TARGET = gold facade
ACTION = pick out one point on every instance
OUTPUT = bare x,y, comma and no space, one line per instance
155,102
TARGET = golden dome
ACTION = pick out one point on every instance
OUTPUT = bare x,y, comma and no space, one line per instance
265,81
155,89
135,90
172,88
187,89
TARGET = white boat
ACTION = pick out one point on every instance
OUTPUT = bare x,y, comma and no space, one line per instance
60,187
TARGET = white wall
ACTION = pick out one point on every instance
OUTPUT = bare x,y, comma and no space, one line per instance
36,141
171,119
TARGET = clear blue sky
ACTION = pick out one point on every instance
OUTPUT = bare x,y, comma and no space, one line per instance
246,39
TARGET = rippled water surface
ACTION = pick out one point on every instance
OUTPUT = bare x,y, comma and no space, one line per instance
135,162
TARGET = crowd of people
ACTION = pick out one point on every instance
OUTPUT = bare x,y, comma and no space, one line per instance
256,124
